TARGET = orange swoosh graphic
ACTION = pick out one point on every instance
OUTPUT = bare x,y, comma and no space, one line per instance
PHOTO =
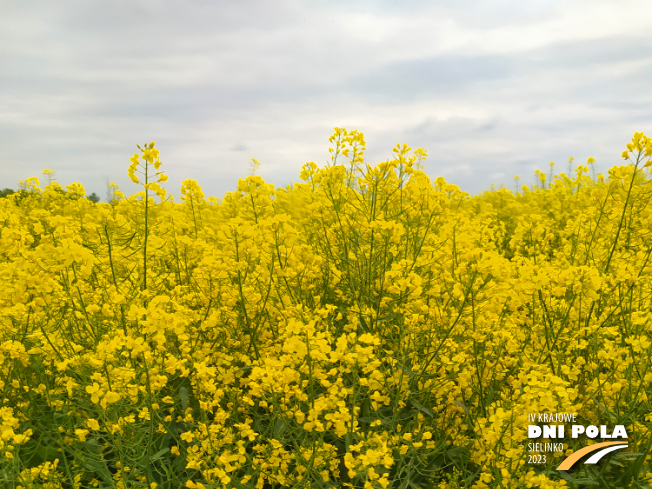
575,456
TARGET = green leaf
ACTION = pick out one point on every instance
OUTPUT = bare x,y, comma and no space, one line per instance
367,419
100,469
159,454
279,429
421,407
183,394
466,410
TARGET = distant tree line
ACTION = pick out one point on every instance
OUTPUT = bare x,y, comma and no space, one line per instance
8,191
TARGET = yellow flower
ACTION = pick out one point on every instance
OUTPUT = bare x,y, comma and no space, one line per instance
111,397
94,391
81,434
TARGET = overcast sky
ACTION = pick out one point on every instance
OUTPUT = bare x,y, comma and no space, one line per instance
489,88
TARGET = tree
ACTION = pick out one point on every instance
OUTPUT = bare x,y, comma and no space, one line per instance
6,192
93,197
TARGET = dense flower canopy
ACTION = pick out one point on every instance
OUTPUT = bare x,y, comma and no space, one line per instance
365,328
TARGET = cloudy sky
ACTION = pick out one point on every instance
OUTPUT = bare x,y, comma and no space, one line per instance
489,88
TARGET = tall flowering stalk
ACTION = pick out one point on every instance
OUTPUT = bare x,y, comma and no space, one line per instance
150,158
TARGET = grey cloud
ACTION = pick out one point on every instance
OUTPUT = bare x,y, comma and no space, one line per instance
583,69
441,76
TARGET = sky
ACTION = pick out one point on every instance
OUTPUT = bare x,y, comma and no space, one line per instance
490,89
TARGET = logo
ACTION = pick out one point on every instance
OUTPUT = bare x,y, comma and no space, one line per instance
602,448
556,432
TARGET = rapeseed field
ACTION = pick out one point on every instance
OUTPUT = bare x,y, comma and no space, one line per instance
365,328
